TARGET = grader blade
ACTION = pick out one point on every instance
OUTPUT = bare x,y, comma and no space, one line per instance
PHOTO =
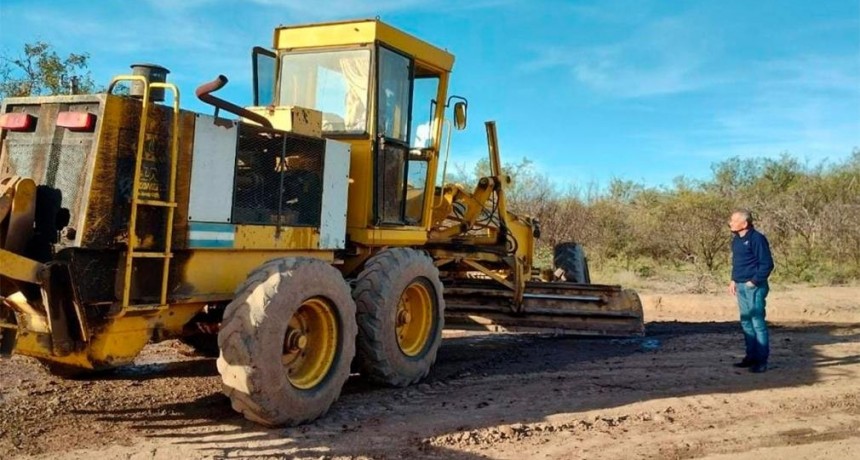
577,309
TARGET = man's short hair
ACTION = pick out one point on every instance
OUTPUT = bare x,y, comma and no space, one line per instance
745,214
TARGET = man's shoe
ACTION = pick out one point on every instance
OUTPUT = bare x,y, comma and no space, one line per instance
759,368
744,363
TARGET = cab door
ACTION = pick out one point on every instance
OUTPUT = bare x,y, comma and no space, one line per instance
393,110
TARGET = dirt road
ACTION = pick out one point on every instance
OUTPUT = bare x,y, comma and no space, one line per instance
671,394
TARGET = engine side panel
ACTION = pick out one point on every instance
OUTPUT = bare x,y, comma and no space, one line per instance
213,170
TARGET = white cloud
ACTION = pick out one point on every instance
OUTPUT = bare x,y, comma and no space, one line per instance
666,56
124,34
815,73
335,9
809,106
164,34
183,5
340,7
635,11
805,104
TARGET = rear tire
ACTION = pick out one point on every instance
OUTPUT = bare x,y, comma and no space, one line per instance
287,340
400,316
570,259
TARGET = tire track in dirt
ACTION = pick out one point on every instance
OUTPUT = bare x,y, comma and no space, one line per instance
672,394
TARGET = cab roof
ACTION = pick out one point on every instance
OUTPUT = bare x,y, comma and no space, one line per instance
361,32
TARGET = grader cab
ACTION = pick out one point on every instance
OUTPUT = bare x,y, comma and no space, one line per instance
301,241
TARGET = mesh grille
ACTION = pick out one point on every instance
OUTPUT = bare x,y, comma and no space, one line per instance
22,162
278,178
55,158
68,175
64,169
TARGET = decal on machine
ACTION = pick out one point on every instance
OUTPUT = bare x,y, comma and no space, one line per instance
211,235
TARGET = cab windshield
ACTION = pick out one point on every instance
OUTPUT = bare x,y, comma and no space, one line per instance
333,82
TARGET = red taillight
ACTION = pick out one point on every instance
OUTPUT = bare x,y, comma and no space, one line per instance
17,121
76,121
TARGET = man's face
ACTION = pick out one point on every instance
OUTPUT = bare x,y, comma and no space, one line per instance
737,223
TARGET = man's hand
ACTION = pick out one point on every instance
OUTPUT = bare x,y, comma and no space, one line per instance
733,288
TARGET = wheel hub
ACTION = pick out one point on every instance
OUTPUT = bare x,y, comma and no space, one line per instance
414,318
296,340
310,343
403,317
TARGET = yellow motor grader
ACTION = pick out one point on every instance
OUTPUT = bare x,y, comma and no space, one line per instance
300,241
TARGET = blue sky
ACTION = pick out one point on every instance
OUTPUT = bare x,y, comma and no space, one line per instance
588,90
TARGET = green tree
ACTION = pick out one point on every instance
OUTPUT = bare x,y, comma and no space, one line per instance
40,71
696,226
734,174
624,191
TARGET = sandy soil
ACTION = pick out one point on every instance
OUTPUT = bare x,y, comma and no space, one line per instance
672,394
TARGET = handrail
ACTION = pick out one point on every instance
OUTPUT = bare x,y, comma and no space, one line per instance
136,200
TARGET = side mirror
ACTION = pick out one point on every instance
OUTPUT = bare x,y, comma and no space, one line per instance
460,116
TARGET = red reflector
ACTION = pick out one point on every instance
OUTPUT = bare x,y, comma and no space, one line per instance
18,121
76,121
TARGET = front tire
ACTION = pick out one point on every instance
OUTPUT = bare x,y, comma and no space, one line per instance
287,341
400,316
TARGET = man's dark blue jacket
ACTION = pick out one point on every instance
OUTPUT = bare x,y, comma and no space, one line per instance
751,258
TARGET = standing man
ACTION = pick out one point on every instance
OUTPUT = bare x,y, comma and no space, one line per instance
751,265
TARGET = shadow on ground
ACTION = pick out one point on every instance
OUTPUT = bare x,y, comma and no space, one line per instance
484,381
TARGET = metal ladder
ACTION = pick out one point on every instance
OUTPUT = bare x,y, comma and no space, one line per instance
169,205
